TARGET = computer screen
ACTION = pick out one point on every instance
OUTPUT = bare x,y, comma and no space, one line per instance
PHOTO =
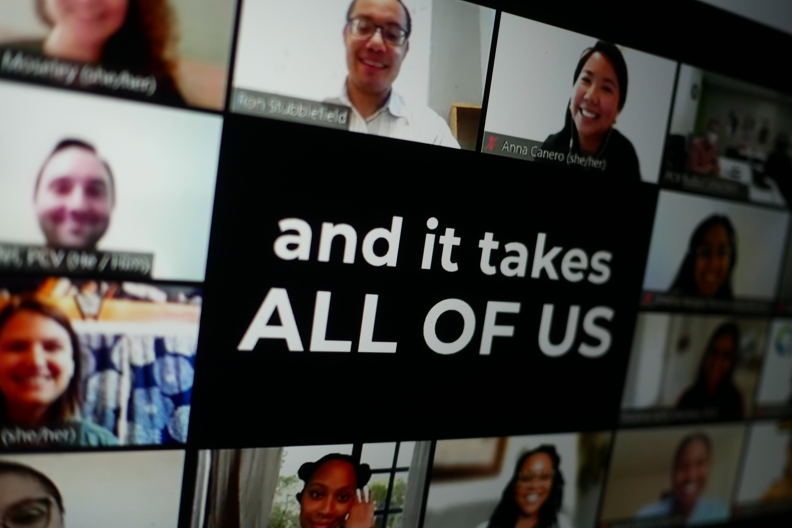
395,264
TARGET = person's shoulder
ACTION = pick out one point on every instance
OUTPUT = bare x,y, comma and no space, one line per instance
556,141
427,124
737,398
655,509
686,400
622,140
422,115
709,510
626,152
92,435
168,92
712,504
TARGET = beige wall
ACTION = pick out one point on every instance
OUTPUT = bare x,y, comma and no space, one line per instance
122,489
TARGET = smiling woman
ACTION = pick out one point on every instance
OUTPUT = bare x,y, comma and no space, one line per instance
709,262
132,36
40,374
598,96
532,499
714,387
689,476
333,494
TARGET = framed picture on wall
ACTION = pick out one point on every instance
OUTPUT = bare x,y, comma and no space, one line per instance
471,457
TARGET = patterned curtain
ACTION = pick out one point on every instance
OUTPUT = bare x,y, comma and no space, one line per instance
139,387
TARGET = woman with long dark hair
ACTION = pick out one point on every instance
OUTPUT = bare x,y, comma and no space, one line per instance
532,498
589,139
714,387
40,375
709,262
132,35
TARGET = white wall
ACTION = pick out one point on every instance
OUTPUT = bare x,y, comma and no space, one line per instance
164,162
122,489
461,39
296,456
683,119
297,48
532,84
445,495
18,20
761,236
642,388
641,463
775,383
765,462
206,28
486,28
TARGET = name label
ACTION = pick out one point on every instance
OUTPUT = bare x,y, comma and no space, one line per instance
21,64
109,264
292,109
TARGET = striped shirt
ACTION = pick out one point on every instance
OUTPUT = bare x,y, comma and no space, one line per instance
398,120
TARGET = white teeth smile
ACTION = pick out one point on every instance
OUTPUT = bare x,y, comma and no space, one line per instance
372,64
587,113
533,497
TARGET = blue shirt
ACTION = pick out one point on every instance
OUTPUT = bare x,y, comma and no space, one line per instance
706,511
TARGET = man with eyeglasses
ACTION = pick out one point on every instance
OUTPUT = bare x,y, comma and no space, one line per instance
377,38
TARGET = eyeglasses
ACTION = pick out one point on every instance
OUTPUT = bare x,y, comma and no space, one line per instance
363,28
32,513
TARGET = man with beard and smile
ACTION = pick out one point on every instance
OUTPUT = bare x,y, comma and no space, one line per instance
74,196
377,37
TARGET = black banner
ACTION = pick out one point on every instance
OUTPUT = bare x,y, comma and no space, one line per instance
472,353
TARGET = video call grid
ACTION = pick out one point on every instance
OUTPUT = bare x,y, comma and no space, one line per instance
478,139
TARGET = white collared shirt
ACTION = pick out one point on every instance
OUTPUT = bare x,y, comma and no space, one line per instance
398,120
